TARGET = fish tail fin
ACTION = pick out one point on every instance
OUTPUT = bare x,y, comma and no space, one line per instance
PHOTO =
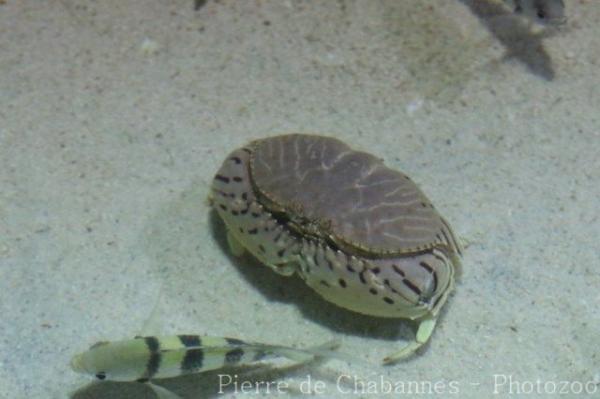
325,351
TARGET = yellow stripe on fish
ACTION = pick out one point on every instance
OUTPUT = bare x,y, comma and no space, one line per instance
146,358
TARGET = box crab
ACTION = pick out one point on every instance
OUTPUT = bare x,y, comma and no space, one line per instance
360,234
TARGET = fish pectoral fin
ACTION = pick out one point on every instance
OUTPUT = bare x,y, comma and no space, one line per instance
161,392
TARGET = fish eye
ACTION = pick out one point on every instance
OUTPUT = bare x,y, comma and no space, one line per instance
101,375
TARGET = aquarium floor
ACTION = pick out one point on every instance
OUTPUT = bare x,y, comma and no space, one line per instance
114,116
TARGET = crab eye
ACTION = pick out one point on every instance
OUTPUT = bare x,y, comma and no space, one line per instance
541,14
101,375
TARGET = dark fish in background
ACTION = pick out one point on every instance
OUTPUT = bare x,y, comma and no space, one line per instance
551,12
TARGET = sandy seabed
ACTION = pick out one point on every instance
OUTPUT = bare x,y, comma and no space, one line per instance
115,115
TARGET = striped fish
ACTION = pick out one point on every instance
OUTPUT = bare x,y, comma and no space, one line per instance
145,359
